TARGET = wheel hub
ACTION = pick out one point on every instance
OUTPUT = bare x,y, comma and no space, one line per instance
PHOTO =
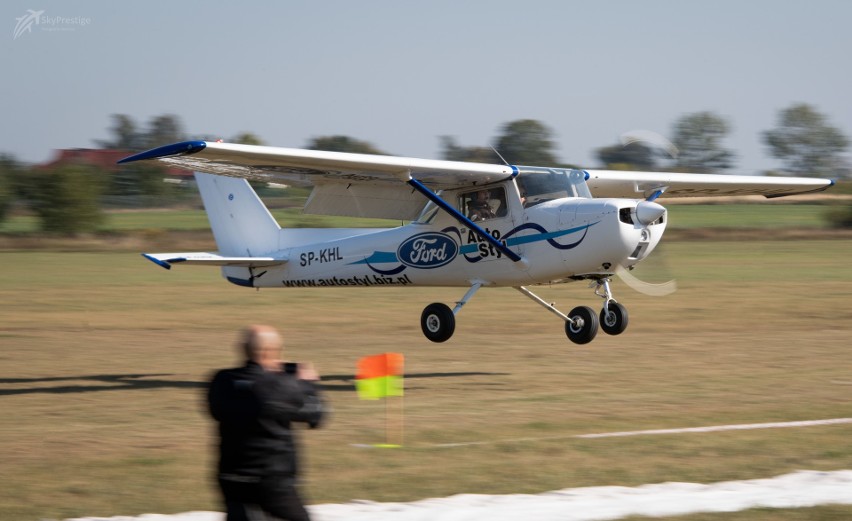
433,324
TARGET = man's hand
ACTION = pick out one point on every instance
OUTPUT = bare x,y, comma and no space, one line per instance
307,372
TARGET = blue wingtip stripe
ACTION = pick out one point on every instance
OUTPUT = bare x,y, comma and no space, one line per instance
158,262
182,148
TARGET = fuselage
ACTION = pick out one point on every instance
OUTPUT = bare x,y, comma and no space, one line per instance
558,240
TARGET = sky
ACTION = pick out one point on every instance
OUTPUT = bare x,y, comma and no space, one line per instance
400,74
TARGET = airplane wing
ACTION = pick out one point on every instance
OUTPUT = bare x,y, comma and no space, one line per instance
361,185
633,185
365,185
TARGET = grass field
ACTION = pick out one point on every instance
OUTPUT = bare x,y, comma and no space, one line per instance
105,357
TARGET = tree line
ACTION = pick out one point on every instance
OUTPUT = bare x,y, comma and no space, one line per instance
70,198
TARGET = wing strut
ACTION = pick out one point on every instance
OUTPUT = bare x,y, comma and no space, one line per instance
464,220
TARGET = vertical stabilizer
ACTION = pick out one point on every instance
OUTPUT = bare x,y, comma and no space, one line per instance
241,223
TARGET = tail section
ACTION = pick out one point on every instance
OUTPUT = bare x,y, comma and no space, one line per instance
241,223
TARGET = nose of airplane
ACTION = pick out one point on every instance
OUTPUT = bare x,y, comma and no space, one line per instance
648,212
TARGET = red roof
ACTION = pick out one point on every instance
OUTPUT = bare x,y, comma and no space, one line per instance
101,157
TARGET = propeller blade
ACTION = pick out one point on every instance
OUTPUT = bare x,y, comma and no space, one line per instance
646,288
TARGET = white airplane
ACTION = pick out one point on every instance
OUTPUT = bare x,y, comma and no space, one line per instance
471,224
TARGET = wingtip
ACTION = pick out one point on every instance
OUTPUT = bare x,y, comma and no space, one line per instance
183,148
831,182
157,261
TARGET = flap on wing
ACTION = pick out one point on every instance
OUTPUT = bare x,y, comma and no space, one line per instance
357,200
211,259
608,183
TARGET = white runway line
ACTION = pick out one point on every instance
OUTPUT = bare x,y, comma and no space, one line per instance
717,428
795,490
684,430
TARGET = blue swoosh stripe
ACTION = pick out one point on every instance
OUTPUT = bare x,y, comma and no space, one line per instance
526,239
378,257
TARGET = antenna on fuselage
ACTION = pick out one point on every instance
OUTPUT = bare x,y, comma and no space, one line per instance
501,157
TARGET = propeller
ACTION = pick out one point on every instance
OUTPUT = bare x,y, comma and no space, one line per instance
646,288
648,211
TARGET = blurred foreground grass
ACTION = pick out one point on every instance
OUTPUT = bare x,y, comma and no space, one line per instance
105,358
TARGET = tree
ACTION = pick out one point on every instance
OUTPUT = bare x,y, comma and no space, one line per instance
526,142
67,200
698,139
632,156
126,135
806,143
9,170
163,130
340,143
142,178
247,138
455,152
137,179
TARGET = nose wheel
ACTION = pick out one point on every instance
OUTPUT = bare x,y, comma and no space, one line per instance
613,316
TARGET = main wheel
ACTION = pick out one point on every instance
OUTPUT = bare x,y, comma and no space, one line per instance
438,322
614,322
584,325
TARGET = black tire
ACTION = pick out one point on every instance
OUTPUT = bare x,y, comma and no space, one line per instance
438,322
587,327
614,322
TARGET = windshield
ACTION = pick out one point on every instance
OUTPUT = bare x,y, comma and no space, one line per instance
544,184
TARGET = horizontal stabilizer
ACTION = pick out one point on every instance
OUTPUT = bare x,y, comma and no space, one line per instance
211,259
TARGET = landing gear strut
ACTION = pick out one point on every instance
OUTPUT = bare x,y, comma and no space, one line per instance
581,325
438,321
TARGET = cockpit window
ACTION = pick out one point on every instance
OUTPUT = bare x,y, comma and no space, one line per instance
538,185
483,204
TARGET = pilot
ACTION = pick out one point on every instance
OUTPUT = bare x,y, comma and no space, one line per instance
480,207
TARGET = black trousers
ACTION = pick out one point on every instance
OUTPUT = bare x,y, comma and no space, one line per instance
267,499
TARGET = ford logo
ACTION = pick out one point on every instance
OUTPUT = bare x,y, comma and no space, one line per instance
427,250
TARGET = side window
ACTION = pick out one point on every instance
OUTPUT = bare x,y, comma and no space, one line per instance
483,204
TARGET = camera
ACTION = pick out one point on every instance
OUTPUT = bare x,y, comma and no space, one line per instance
291,367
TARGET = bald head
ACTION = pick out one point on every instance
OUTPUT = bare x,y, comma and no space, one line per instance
262,344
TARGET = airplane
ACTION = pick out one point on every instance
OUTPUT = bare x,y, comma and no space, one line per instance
470,225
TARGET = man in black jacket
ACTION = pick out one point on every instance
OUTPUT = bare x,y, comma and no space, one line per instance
255,406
